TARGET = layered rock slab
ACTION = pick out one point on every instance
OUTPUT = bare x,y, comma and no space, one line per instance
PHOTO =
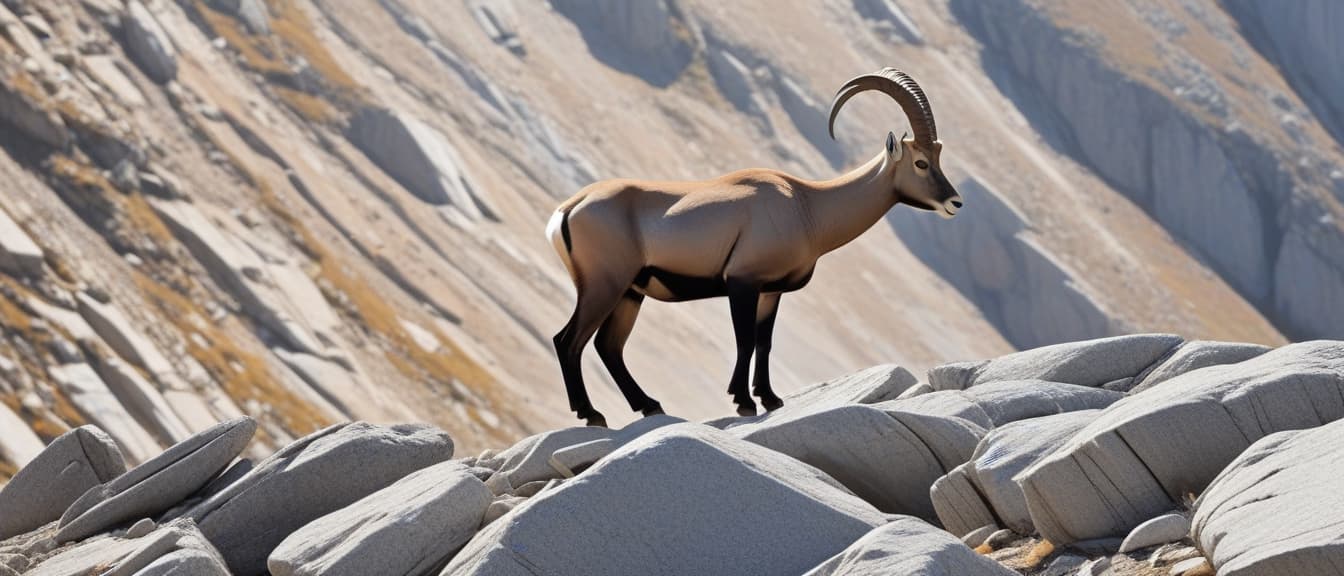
1142,455
770,514
316,475
160,483
910,547
983,491
409,528
1086,363
71,465
1277,509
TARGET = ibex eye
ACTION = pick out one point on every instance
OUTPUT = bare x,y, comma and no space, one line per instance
922,165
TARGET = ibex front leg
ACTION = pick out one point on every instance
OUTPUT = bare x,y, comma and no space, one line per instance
765,330
742,298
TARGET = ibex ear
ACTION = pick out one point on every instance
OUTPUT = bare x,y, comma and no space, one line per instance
894,150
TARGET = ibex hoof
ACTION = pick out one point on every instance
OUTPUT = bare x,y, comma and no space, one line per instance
656,409
595,419
772,404
746,409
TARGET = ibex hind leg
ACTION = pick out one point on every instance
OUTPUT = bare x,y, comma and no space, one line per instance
611,338
595,302
766,309
742,299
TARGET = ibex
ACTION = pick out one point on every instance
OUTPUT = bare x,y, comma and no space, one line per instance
749,235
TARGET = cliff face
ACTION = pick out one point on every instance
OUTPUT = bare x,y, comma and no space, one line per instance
313,210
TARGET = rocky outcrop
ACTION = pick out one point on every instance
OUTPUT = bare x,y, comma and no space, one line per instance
888,17
1177,142
1090,363
91,396
18,444
1275,509
783,516
19,255
648,39
420,158
147,43
984,491
911,547
1146,452
252,13
74,462
992,259
175,549
317,475
411,527
998,403
1302,39
159,484
1192,356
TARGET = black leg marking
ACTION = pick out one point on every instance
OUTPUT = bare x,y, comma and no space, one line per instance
742,299
611,338
594,305
766,310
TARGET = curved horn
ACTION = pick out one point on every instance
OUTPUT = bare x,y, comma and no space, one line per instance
902,88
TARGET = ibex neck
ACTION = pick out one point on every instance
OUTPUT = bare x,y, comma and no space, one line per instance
845,207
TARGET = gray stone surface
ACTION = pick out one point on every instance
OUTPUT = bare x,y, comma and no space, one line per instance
160,483
910,547
770,514
19,255
1145,453
1195,355
890,458
868,386
984,490
18,444
147,44
75,462
142,400
643,38
252,13
998,403
96,402
1086,363
111,556
1277,509
411,527
420,158
1160,530
316,475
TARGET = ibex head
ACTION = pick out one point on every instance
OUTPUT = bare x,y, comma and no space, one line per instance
917,178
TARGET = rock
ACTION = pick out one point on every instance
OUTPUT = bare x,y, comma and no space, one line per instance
1277,508
252,13
142,400
1086,363
75,462
501,506
868,386
105,70
1142,455
19,255
1189,565
1160,530
95,401
1025,291
168,550
998,403
1064,565
18,444
889,458
319,474
410,527
648,39
158,484
984,490
337,386
419,157
574,459
908,546
976,537
529,459
147,44
141,528
784,517
1001,539
1195,355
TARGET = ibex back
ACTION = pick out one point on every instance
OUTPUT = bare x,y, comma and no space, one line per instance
750,235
